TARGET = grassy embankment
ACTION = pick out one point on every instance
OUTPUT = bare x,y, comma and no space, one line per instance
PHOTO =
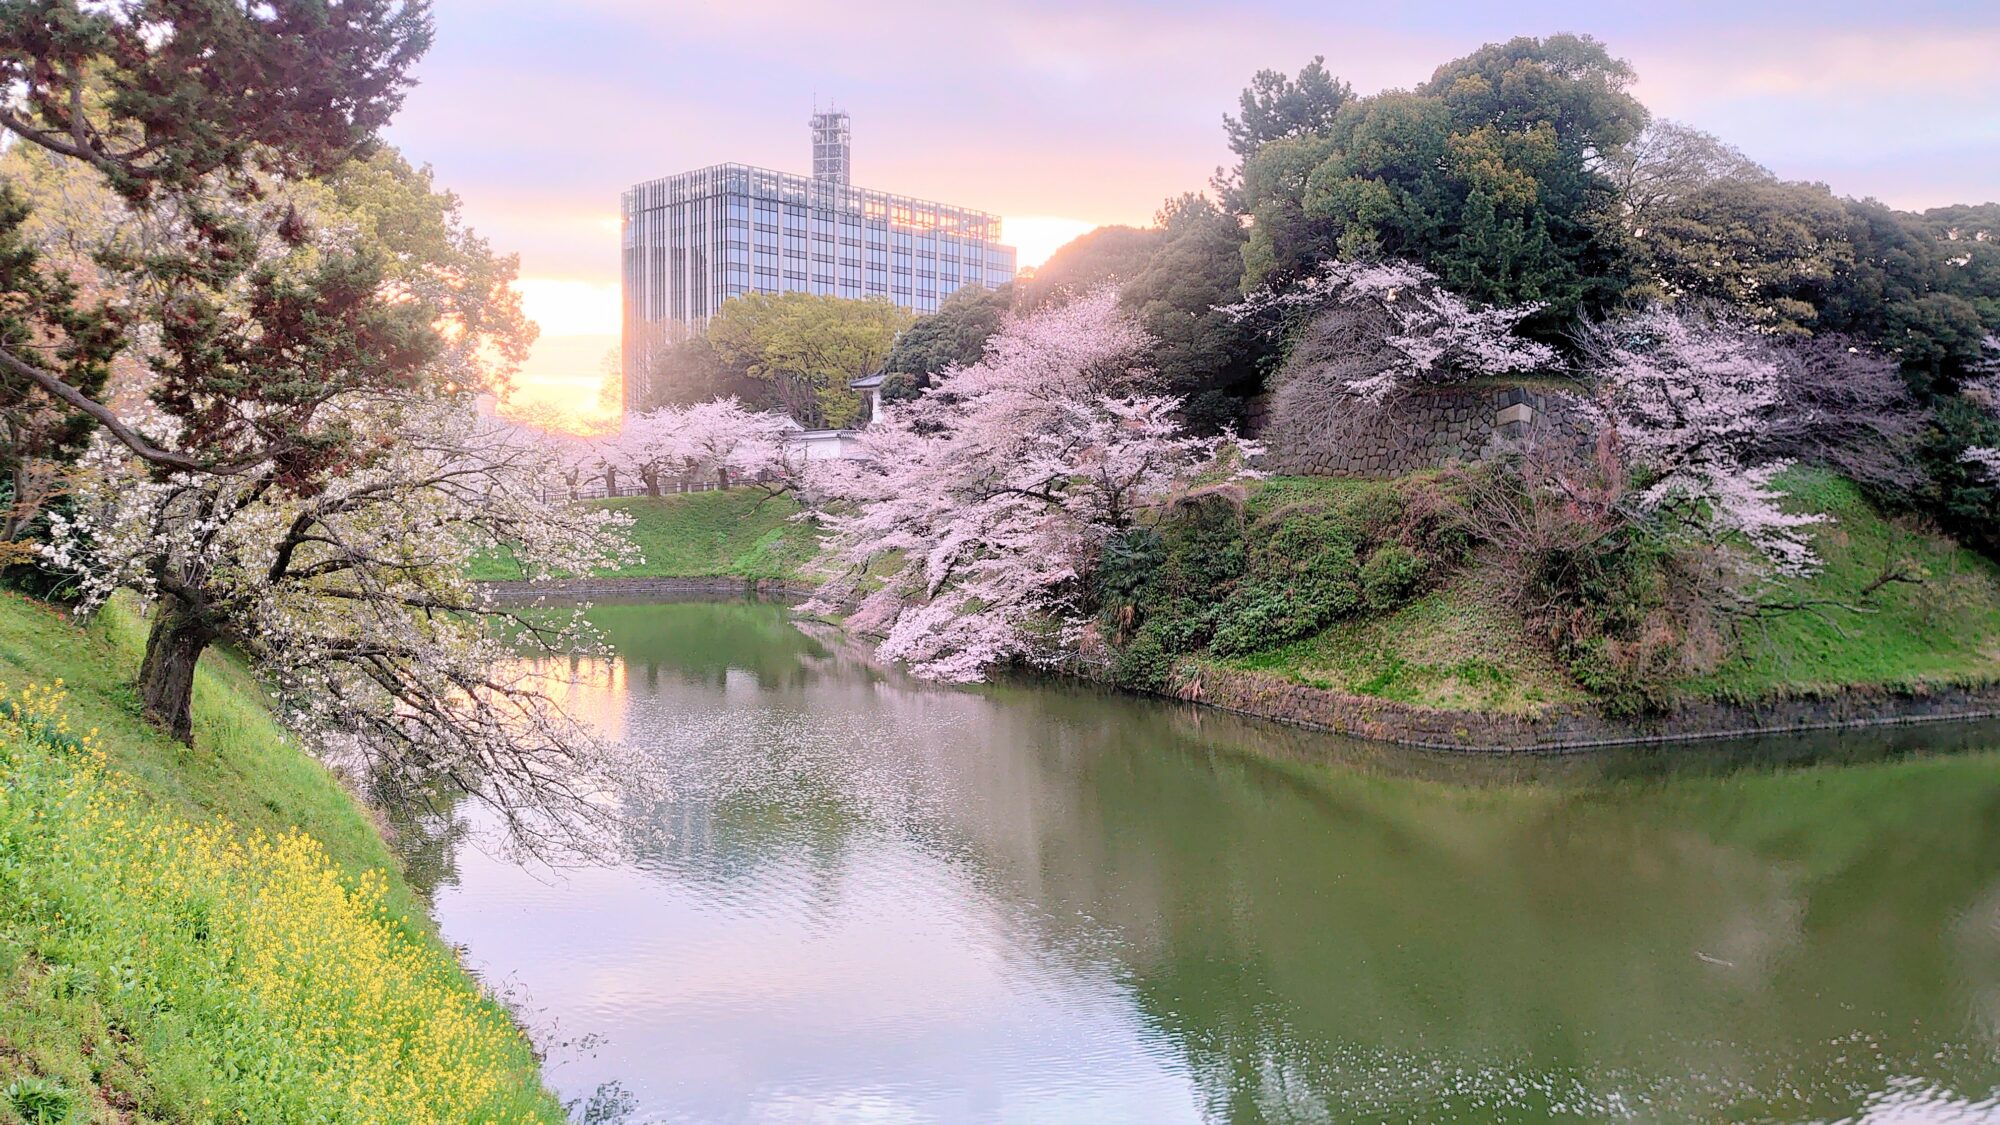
1462,647
216,933
733,533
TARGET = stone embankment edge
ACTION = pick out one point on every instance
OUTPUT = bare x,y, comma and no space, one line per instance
1576,728
584,589
1557,730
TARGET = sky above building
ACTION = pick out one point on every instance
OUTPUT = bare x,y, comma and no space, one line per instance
1060,116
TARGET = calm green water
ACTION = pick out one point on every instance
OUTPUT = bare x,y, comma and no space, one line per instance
848,896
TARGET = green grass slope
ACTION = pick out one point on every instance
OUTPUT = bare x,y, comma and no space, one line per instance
1944,632
1456,648
215,933
732,533
1461,647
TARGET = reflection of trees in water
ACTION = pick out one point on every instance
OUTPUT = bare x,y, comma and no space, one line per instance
1296,925
694,642
792,777
425,833
1625,927
1324,927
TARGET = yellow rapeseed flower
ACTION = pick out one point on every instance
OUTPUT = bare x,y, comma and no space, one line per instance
287,979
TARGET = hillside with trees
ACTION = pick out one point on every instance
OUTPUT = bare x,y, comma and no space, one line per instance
1747,380
1788,397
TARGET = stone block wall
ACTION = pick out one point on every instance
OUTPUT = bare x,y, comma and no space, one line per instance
1432,428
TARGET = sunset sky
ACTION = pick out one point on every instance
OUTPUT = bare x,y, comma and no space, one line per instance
1061,116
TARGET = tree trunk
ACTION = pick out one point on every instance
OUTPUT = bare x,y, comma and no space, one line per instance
166,676
652,479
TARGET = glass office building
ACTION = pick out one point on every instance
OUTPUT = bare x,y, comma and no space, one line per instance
695,240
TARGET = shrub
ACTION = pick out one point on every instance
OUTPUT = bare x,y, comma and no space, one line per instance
1389,575
1199,579
1144,663
1631,613
1966,498
1157,587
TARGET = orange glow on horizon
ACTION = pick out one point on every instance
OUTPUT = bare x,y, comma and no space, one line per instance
566,373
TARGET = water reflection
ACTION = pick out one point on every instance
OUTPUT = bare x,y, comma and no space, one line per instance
860,898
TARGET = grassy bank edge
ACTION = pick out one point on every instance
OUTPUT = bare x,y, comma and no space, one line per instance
727,533
244,771
1460,647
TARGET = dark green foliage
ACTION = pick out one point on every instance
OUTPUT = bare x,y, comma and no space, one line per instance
1795,258
179,105
1210,577
1202,354
1485,175
1596,599
1274,107
685,372
1144,663
1966,498
39,1100
45,315
900,386
184,89
1157,587
1304,573
1284,241
46,320
953,336
1772,250
235,379
1174,277
1389,576
1567,83
1970,238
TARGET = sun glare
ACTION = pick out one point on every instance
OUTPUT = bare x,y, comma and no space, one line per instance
570,306
570,362
1035,237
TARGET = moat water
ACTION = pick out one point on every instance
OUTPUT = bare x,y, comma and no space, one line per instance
840,894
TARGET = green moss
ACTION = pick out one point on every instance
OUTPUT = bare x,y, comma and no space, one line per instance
244,769
732,533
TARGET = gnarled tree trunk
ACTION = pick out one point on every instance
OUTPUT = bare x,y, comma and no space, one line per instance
166,676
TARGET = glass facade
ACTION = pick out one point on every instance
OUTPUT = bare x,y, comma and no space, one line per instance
692,241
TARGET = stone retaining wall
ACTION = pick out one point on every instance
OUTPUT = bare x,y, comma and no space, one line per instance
1430,429
1576,728
587,589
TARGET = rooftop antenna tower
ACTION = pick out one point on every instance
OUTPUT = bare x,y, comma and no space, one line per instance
832,147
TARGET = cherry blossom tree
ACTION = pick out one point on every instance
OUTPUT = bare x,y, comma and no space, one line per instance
720,438
352,600
1984,389
1375,329
1361,336
991,497
1692,398
1846,406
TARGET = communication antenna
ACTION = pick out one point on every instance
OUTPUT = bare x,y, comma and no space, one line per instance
832,144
